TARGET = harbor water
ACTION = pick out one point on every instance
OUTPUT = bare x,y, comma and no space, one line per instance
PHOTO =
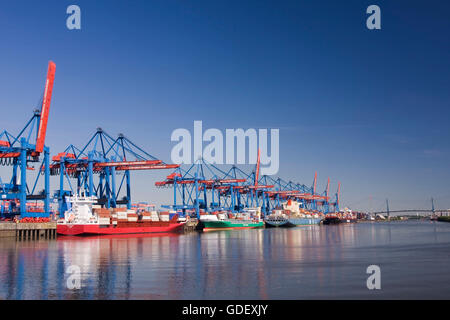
311,262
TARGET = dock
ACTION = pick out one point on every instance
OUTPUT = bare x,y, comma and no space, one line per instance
24,231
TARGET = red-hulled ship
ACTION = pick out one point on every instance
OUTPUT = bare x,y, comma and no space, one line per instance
85,218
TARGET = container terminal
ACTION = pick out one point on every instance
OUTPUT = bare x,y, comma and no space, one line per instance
98,199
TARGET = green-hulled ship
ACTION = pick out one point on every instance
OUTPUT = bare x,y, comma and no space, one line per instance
249,218
231,224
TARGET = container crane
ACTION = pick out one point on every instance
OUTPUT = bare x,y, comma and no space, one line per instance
20,152
103,156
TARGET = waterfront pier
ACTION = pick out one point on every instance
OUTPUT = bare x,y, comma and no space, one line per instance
24,231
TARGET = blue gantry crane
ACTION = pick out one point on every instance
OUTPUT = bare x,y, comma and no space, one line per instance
95,168
230,190
190,188
23,152
234,189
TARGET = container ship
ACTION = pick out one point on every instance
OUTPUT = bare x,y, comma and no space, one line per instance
84,217
223,220
276,219
340,217
291,215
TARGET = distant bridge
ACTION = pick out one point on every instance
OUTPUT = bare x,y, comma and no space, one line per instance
437,211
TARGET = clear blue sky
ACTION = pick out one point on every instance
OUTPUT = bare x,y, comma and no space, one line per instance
367,108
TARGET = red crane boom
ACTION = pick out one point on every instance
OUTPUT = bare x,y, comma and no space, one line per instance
257,167
315,182
40,140
339,191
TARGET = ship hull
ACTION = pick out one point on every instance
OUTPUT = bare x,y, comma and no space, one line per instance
294,222
335,220
276,223
228,224
126,228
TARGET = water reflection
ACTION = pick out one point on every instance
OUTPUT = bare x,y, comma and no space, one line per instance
298,263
